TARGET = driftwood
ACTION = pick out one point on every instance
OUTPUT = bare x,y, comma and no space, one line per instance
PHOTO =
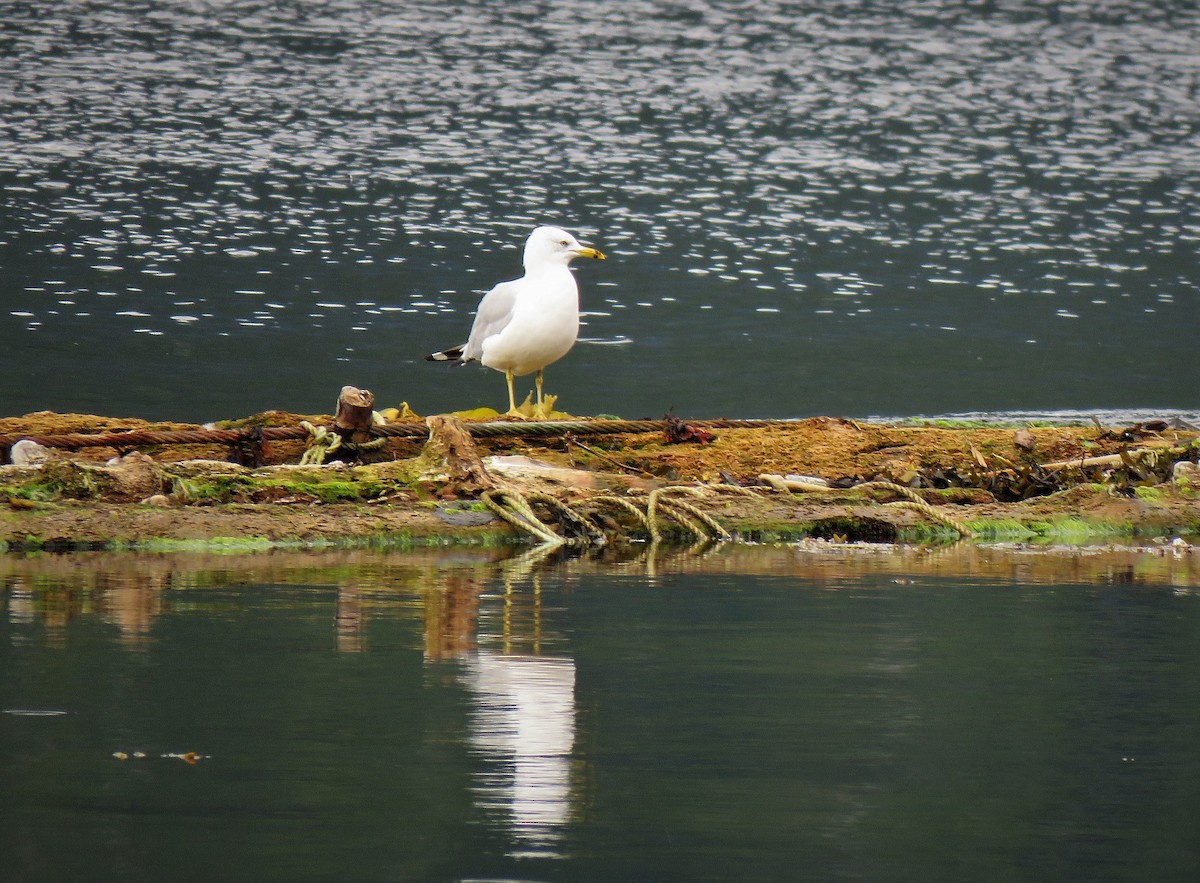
453,451
1085,462
1124,458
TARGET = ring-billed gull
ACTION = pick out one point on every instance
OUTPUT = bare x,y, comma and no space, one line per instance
524,325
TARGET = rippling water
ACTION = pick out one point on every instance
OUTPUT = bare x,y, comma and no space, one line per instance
849,208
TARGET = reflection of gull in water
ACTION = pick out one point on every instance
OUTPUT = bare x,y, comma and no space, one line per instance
523,725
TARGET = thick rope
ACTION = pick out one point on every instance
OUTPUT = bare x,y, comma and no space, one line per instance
323,441
913,499
515,509
681,517
930,512
687,516
586,533
493,429
602,427
321,444
623,503
677,506
916,502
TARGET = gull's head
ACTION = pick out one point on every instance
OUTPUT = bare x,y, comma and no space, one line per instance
553,245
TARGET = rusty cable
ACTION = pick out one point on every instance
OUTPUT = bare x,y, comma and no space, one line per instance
497,429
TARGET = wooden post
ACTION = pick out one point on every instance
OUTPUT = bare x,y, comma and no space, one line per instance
353,419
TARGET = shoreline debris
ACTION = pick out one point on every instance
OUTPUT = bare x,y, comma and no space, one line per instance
660,480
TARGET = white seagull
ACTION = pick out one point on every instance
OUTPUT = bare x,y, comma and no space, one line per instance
524,325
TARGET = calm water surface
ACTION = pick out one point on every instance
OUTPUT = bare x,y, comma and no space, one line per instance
757,714
919,207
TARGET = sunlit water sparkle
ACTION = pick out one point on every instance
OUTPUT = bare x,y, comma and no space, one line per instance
909,208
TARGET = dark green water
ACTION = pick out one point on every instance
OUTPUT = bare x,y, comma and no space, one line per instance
853,208
765,716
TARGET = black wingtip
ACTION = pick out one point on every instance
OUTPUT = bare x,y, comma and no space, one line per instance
450,355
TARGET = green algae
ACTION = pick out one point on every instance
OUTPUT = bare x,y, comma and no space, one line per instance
1000,530
398,541
373,486
265,488
1150,494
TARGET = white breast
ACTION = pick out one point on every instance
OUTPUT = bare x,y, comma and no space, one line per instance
544,324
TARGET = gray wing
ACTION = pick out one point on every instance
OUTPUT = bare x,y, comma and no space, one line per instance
495,311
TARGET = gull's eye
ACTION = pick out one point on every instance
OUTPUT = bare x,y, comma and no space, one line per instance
565,244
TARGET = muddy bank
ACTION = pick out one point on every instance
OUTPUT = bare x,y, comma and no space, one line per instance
928,483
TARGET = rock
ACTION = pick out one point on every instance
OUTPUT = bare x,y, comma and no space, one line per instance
1025,440
1185,474
134,477
28,453
458,514
205,468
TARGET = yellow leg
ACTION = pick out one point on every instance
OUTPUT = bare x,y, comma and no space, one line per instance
539,411
512,401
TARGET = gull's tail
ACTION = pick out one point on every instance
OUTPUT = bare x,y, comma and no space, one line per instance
454,354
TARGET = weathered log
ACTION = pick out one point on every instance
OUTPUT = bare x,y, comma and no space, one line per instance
452,449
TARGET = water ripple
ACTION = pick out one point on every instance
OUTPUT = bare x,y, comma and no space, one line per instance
898,167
